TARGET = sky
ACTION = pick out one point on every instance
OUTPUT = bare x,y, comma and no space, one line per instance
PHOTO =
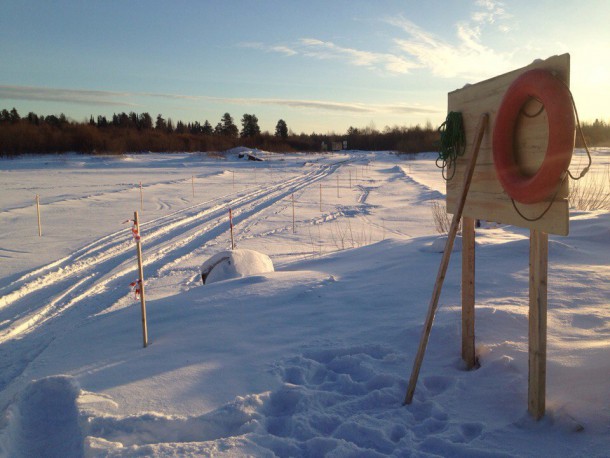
321,66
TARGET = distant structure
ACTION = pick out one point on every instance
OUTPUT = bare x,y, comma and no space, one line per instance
334,146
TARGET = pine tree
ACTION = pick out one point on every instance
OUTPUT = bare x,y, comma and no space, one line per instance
228,129
250,126
160,124
207,128
281,129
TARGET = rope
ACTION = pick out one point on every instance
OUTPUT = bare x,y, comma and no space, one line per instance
452,143
584,171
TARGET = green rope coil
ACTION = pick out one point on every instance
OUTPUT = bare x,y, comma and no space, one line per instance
452,143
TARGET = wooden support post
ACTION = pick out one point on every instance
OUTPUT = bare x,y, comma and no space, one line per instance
468,296
141,198
293,228
38,214
442,270
539,249
141,279
231,226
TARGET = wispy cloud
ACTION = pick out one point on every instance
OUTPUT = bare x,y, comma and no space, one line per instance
281,49
352,107
85,97
467,55
327,50
128,99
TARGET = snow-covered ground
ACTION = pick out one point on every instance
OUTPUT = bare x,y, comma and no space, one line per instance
310,360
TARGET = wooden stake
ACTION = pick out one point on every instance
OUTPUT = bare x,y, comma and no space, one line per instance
141,198
320,197
293,228
338,185
231,226
141,278
442,270
539,249
468,293
38,214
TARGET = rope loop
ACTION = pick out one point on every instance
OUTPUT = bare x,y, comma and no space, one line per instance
452,143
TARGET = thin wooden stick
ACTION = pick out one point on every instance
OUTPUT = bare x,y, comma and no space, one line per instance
38,214
293,228
141,275
141,198
320,197
442,270
231,225
338,185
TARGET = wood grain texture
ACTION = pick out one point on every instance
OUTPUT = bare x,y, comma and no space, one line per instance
487,199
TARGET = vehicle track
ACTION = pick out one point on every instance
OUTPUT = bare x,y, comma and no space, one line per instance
96,275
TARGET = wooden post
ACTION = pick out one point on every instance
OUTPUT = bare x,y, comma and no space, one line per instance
293,228
468,289
141,278
320,197
338,195
539,249
231,226
38,214
442,270
141,198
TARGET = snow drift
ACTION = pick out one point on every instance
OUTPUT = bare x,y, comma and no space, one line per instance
235,264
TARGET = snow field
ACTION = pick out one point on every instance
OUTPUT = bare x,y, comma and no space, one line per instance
310,360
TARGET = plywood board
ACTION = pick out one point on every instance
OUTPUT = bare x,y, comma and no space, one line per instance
487,199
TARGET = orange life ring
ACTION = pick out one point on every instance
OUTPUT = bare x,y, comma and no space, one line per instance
556,99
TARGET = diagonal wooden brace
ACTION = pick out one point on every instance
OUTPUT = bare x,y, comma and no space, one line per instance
442,270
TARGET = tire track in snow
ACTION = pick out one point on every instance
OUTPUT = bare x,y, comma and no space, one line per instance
100,268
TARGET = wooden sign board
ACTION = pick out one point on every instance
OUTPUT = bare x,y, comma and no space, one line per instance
486,199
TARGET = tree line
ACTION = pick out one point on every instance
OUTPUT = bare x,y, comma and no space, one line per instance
139,132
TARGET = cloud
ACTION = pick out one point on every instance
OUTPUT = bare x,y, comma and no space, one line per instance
326,50
352,107
466,56
125,99
85,97
281,49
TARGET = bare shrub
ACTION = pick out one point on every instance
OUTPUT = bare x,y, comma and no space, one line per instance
442,219
592,192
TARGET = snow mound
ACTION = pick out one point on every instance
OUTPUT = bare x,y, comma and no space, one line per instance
44,421
235,264
439,243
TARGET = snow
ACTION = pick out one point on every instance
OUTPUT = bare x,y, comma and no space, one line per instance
308,358
236,263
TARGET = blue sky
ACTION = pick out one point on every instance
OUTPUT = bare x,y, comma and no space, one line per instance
319,65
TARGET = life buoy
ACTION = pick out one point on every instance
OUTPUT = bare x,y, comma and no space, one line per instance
556,99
